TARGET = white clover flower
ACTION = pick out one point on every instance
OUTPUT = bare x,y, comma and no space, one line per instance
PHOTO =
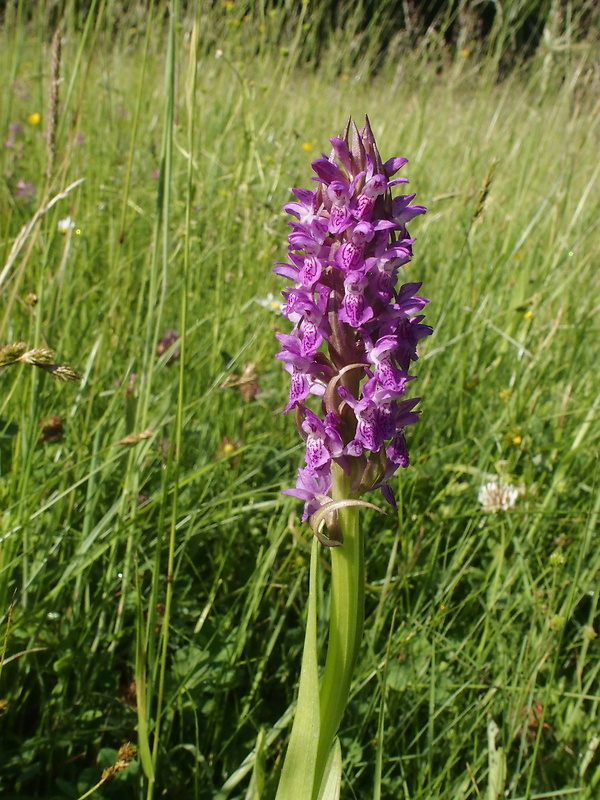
65,225
270,302
497,496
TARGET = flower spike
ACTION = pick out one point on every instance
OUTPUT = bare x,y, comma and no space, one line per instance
355,331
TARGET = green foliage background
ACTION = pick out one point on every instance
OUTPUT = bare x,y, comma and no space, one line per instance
164,576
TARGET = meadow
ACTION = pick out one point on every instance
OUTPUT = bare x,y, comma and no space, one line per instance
153,579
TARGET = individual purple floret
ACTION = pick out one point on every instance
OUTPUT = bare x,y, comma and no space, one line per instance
355,332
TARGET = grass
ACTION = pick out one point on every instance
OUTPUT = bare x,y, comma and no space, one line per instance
152,578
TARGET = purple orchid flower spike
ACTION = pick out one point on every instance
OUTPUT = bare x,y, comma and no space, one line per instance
355,331
350,351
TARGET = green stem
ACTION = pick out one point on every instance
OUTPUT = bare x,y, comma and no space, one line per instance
320,709
297,775
345,623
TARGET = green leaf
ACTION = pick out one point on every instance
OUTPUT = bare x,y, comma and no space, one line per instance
257,782
332,777
297,775
497,763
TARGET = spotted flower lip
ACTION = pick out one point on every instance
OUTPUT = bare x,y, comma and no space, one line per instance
355,332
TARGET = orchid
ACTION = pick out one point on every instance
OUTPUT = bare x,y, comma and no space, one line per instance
353,341
355,332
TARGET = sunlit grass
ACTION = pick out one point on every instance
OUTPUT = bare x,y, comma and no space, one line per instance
470,616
